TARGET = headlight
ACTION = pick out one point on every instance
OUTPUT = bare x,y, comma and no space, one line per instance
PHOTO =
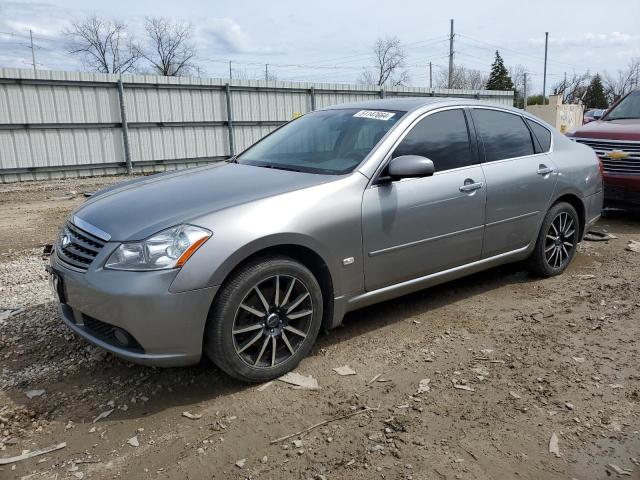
167,249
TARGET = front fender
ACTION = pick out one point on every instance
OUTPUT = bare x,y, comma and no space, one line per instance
282,241
325,219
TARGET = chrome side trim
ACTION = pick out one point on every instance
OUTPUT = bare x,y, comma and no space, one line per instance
87,227
415,284
511,219
424,240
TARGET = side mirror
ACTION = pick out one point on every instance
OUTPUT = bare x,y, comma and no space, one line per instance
599,115
410,166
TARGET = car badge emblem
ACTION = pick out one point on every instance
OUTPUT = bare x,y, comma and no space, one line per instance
65,240
616,155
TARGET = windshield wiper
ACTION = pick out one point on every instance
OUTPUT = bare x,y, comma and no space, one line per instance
279,167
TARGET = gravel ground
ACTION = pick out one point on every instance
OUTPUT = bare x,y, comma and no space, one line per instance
475,379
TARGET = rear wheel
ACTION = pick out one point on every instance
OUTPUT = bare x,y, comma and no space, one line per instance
265,319
557,241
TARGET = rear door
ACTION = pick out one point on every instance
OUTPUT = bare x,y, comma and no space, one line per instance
417,226
520,177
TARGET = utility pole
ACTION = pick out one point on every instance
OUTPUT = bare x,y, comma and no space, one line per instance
430,77
230,75
524,92
544,77
266,71
33,50
451,55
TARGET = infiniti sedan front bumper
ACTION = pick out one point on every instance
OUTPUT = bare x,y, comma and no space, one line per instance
133,314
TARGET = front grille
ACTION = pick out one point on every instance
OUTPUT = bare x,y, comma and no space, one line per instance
80,247
629,165
107,333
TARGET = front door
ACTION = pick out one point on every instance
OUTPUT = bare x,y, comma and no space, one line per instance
418,226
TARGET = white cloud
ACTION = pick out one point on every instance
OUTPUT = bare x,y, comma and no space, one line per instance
591,40
226,35
43,18
46,21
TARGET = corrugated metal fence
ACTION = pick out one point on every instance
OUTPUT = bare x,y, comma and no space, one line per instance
65,124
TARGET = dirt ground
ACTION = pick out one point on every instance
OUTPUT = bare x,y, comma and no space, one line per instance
512,361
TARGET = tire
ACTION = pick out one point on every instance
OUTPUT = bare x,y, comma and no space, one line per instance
557,241
245,319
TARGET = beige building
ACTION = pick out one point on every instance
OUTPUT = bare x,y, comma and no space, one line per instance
564,117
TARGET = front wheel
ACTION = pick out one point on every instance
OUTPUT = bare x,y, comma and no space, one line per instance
557,241
264,320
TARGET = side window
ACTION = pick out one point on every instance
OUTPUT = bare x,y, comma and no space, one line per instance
504,135
542,135
442,137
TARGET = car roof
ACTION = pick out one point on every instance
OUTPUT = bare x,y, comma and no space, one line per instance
411,103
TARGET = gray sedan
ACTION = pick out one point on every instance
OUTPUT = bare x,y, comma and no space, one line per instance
339,209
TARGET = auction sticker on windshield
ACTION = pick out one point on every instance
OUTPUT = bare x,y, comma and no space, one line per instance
375,114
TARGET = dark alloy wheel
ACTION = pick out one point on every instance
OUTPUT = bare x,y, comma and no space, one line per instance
264,319
272,321
560,240
557,241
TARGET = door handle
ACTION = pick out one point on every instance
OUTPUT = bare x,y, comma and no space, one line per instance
544,170
470,187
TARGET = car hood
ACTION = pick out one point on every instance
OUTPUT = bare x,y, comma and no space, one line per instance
611,130
137,209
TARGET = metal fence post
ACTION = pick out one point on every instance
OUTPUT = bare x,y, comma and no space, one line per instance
232,148
312,93
381,92
125,128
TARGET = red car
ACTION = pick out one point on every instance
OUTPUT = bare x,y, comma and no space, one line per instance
616,140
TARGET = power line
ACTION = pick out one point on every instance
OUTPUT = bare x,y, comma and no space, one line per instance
506,49
364,53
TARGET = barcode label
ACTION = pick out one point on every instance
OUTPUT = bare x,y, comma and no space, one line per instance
374,114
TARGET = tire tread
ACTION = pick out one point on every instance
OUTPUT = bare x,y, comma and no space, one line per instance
214,332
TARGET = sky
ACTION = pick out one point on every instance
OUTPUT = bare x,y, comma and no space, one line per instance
331,40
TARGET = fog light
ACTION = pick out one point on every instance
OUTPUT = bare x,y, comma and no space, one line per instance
121,337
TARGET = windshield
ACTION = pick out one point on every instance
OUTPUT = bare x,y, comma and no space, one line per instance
327,141
629,107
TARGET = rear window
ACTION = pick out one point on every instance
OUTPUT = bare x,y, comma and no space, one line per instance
503,135
542,135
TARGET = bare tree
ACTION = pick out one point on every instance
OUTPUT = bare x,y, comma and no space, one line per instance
518,74
573,88
169,49
271,77
240,74
462,78
389,63
102,45
625,81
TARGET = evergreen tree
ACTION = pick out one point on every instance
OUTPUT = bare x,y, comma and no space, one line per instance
595,96
499,78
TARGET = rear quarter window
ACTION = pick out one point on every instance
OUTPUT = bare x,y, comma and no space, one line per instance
541,134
